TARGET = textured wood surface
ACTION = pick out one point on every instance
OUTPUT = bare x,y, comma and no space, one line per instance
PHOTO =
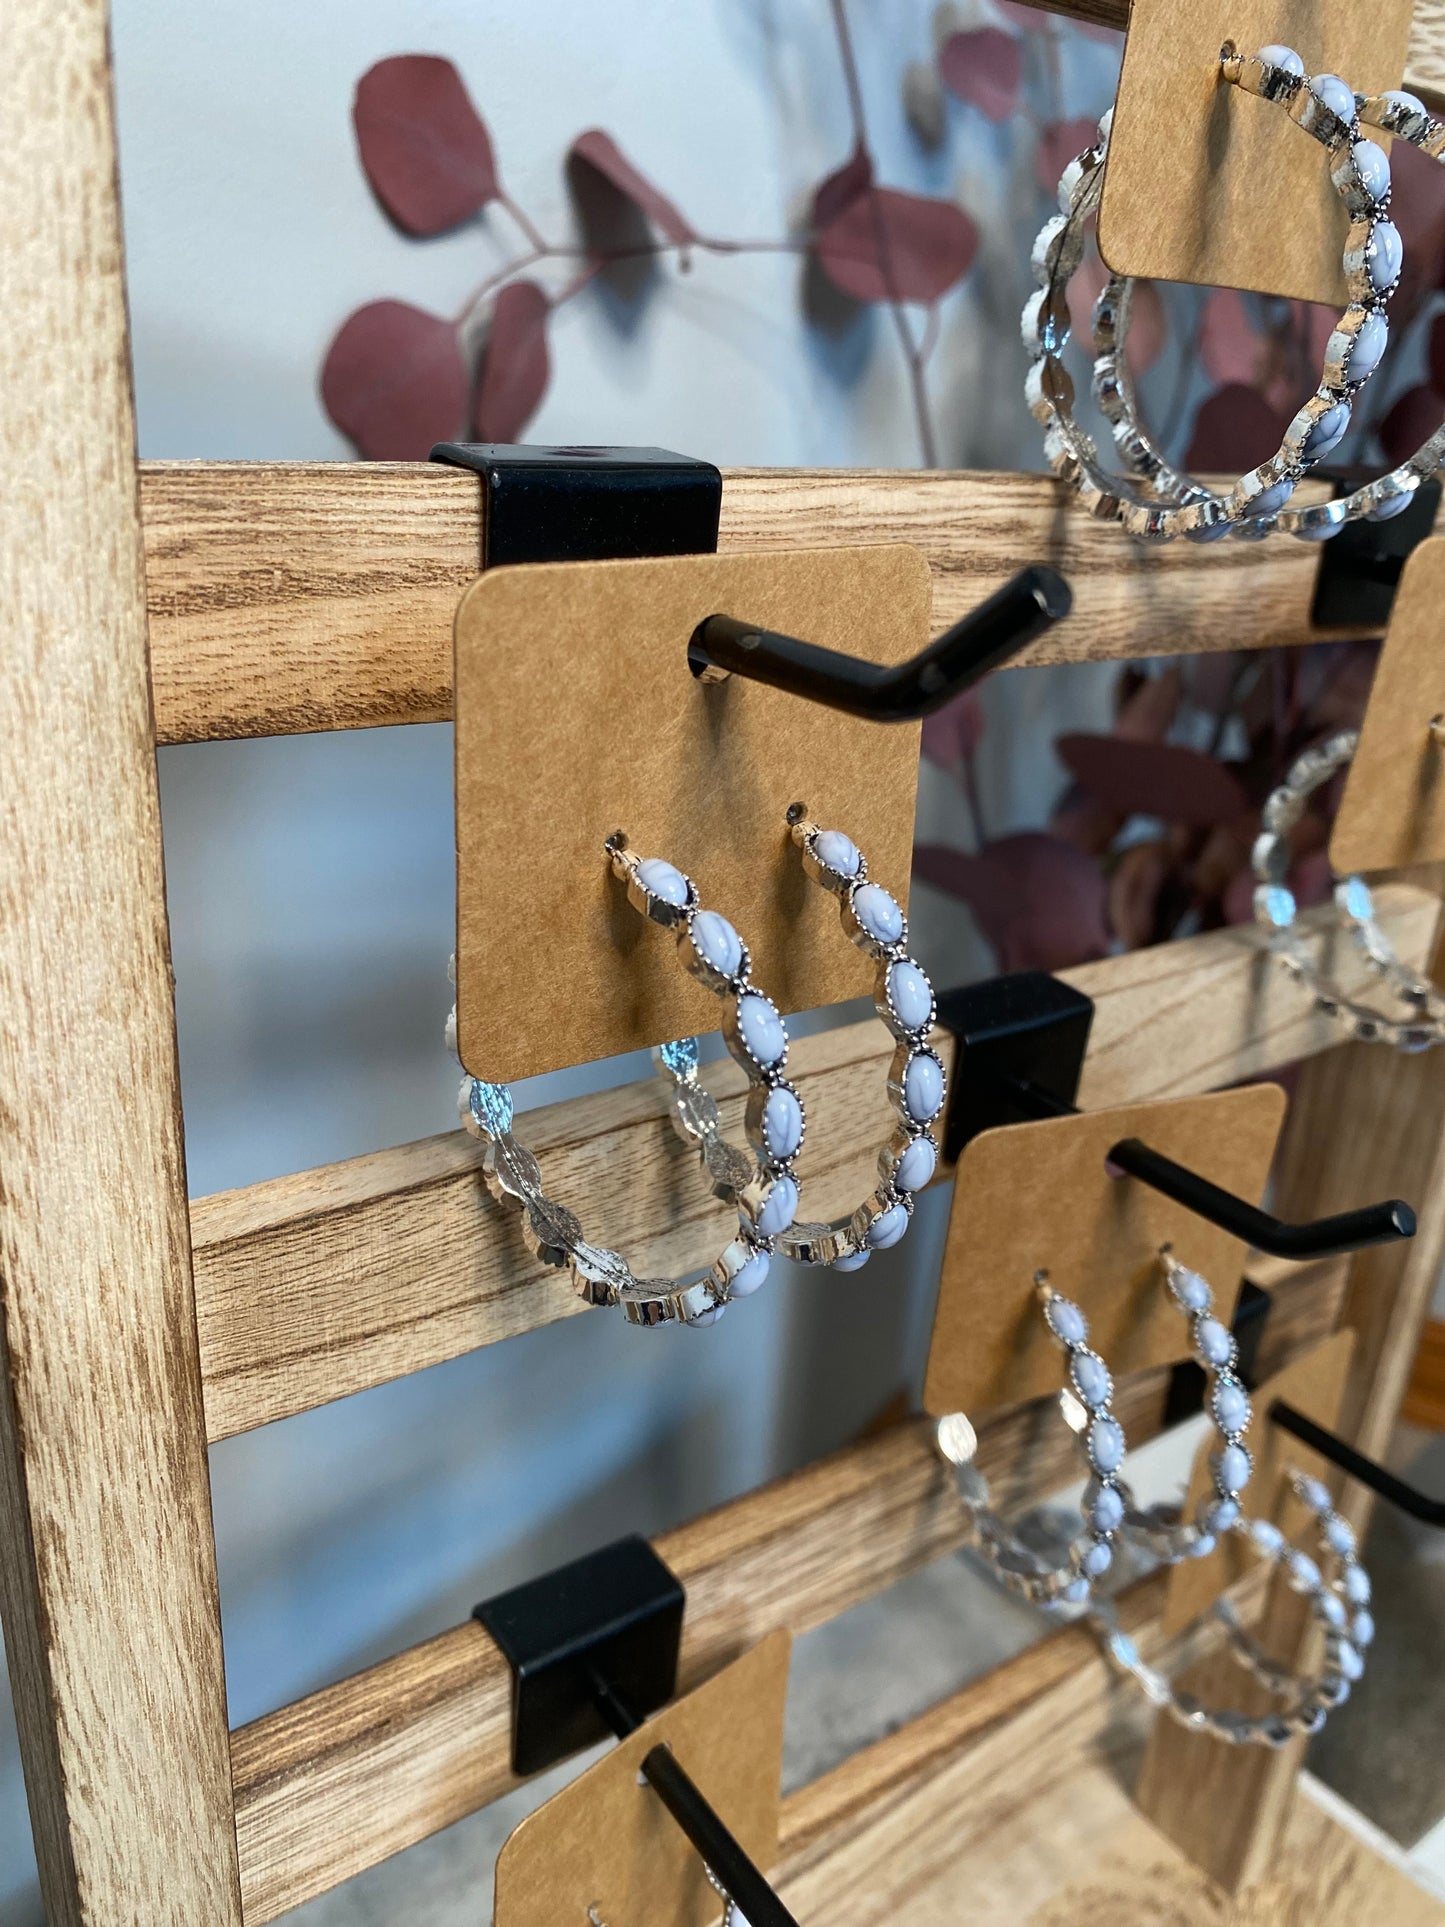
301,596
107,1567
333,1783
313,1286
1425,1395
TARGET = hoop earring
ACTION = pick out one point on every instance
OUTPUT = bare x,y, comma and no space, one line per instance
1276,911
1088,1409
917,1082
1340,1604
1153,499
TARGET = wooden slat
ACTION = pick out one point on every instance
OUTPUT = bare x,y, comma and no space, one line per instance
1424,65
1425,1395
107,1565
313,1286
302,596
337,1781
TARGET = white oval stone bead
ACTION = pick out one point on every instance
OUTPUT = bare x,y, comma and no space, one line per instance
1334,94
750,1276
1339,1535
839,852
717,943
1411,103
1091,1378
1232,1468
923,1087
1332,1611
1362,1628
1203,1546
782,1124
1271,500
886,1230
1267,1537
1355,1582
1219,1515
1368,347
1106,1444
917,1165
1230,1405
878,913
1284,58
1191,1291
854,1261
663,880
1106,1509
761,1029
1075,1593
1212,1341
1327,430
1304,1574
1384,255
910,995
1098,1559
1315,1495
1350,1661
1372,165
780,1207
1066,1321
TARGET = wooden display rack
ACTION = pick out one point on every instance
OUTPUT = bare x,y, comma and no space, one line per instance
137,1327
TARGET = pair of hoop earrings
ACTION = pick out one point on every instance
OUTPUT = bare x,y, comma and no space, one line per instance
761,1183
1335,1585
1151,499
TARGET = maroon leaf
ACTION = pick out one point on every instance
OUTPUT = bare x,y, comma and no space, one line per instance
515,365
598,150
1154,779
1413,420
984,68
839,190
1060,143
888,245
426,152
1039,901
1235,430
1029,18
953,733
1417,207
394,381
1229,347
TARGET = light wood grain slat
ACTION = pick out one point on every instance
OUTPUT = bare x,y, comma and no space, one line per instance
314,1286
335,1782
301,596
107,1564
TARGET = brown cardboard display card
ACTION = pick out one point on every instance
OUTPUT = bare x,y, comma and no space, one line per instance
1393,810
607,1842
1032,1197
576,715
1313,1383
1208,184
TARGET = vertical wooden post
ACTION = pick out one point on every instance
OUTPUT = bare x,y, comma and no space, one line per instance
107,1561
1365,1123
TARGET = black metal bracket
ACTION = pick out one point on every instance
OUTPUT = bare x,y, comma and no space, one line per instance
593,1650
1185,1399
589,504
1014,616
1360,567
1021,1049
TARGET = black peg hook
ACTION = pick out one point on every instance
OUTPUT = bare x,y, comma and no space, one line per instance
1015,615
1022,1040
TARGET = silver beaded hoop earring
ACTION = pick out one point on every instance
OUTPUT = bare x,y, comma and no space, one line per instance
1275,910
765,1195
917,1084
1163,1529
1153,499
1087,1405
1340,1603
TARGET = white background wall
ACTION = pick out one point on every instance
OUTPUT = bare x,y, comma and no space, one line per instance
310,878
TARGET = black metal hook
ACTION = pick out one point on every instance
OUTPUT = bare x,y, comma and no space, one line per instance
1022,1040
593,1649
1405,1498
1015,615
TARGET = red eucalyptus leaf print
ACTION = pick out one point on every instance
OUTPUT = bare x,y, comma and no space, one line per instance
425,149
